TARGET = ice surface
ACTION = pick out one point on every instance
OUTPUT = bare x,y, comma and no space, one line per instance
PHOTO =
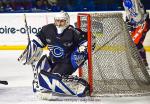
19,89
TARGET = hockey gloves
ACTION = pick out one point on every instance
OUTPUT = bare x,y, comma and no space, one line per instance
32,53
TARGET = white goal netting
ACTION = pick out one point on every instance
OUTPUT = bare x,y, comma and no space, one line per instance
117,68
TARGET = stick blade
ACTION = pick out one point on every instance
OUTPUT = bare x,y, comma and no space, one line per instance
4,82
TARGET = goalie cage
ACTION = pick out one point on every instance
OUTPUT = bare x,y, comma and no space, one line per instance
115,67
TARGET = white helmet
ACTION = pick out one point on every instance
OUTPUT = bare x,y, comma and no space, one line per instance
62,16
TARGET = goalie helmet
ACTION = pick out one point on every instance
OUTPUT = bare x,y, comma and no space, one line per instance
62,17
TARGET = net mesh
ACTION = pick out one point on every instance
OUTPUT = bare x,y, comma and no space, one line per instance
117,65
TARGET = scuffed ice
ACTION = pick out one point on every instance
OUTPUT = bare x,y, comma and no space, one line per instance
19,89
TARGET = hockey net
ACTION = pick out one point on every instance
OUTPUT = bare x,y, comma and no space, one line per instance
115,67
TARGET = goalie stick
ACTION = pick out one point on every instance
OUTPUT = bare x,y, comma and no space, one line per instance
35,76
29,40
4,82
26,26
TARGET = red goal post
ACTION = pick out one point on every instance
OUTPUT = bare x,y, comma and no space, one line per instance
89,49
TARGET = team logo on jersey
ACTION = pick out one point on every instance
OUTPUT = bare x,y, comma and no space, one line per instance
56,51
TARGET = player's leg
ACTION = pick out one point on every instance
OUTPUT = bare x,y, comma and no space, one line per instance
63,69
61,81
43,64
142,52
67,85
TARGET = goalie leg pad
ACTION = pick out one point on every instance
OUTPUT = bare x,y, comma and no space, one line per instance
43,64
63,85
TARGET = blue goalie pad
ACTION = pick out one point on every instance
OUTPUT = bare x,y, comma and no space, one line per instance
78,58
63,85
43,64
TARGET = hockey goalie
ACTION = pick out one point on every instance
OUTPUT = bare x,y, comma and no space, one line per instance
138,24
67,51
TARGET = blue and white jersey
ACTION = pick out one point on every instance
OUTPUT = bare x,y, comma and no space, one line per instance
134,10
61,45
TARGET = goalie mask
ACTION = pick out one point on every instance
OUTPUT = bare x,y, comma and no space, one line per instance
62,21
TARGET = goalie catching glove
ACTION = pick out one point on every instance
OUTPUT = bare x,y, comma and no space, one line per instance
32,53
83,47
